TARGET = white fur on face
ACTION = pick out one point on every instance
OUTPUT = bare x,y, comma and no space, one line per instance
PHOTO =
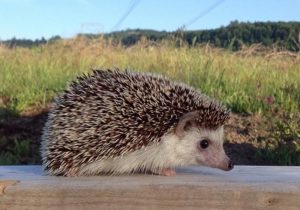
171,152
214,155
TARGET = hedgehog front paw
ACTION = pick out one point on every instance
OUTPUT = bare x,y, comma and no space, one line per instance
168,172
165,172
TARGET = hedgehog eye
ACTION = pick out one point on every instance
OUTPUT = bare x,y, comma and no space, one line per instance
203,144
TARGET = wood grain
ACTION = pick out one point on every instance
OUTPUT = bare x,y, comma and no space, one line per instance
246,187
6,183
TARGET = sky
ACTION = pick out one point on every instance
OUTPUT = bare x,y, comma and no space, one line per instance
34,19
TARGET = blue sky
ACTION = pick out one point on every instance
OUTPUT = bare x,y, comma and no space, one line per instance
45,18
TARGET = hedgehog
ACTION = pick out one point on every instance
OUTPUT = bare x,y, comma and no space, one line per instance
120,121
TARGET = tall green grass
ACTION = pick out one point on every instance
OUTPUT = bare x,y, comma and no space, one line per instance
252,83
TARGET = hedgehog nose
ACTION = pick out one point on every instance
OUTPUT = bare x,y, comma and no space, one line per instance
230,165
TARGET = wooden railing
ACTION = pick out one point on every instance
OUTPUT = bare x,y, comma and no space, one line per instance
245,187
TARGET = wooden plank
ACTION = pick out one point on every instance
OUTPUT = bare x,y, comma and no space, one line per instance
245,187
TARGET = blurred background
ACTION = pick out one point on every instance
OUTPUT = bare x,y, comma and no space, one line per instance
244,53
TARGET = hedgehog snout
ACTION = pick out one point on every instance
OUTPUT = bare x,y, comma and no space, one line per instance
230,165
215,161
227,164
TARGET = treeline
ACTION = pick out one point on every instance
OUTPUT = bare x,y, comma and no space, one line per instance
285,35
14,42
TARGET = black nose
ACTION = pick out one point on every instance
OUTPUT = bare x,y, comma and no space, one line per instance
230,165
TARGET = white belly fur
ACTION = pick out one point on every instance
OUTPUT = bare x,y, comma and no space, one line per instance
169,153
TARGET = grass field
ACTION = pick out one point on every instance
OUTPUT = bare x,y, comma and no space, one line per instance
257,83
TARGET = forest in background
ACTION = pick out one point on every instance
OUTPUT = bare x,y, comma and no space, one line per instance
235,36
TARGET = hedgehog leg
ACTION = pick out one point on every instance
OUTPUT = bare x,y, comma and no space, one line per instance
168,172
165,172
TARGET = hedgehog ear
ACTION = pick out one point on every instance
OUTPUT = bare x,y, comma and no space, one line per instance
187,121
